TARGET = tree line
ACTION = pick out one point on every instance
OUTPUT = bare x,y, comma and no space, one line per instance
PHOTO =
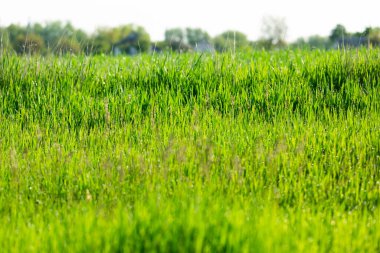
63,38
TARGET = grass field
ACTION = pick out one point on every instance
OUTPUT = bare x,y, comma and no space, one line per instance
261,152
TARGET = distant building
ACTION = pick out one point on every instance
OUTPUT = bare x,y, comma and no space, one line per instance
127,45
203,47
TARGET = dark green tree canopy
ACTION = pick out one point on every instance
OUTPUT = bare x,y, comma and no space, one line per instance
338,32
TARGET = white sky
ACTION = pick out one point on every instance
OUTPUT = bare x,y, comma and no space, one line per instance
303,17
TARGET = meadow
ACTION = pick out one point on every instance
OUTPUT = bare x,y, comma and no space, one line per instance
249,152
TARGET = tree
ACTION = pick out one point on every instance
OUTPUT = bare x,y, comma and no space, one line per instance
58,37
14,33
373,35
299,43
137,40
317,41
29,44
52,33
231,40
197,36
103,40
338,33
106,38
263,43
5,43
274,30
67,46
176,40
175,35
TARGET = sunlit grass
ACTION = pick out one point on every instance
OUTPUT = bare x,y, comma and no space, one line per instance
261,152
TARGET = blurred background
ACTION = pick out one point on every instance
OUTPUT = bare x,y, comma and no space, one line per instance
146,26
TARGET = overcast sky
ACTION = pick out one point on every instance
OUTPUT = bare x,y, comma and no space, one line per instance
303,17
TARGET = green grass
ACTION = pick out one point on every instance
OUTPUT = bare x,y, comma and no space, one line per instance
260,152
